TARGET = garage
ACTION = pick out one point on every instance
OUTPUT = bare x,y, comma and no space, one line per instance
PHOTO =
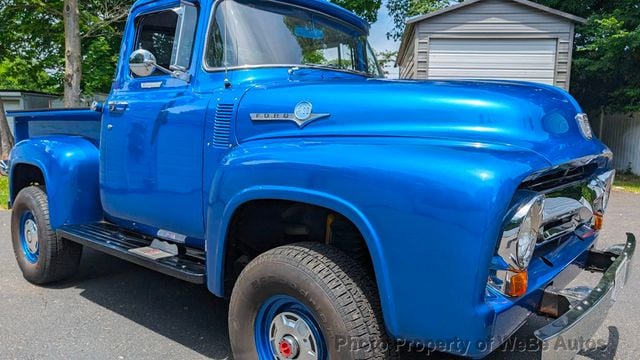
490,39
511,59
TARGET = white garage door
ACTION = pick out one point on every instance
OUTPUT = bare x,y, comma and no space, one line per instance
512,59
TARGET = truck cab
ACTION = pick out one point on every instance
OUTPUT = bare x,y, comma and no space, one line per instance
254,147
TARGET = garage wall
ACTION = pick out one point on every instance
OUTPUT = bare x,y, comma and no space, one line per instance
514,59
409,62
496,19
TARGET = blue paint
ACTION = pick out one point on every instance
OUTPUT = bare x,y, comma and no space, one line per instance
277,305
31,256
425,171
32,123
70,166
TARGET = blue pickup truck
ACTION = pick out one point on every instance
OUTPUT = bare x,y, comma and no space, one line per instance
254,147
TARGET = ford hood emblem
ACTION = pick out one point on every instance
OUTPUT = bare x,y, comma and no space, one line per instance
302,115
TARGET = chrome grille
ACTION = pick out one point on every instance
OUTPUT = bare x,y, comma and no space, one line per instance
559,177
573,194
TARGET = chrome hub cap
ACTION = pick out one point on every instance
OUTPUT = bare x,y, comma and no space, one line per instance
31,235
291,338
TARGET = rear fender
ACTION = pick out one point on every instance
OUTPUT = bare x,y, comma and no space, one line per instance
70,168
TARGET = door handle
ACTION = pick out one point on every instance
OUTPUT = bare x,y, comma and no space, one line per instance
117,106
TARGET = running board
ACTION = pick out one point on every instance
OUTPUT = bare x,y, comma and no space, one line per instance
188,265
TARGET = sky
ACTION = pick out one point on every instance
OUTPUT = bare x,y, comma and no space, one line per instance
378,37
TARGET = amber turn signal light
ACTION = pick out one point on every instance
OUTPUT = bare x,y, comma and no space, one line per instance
517,285
597,221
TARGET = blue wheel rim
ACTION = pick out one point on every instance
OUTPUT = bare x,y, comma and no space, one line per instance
29,244
274,307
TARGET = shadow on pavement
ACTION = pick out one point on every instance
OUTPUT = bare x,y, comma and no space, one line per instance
192,316
182,312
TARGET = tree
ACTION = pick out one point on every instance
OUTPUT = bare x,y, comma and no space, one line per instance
367,9
72,54
606,60
386,58
32,50
401,10
6,140
102,25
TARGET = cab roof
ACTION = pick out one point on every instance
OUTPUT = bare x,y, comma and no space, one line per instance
323,6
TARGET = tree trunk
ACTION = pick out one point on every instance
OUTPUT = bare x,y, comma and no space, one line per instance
73,59
6,139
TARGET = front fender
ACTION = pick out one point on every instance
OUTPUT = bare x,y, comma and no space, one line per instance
429,210
70,167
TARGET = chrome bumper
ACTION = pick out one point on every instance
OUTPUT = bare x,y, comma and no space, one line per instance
582,312
4,167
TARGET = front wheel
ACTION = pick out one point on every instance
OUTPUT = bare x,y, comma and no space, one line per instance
41,255
306,301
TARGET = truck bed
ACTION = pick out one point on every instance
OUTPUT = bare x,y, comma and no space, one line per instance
76,121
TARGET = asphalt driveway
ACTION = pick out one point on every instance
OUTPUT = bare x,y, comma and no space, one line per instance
114,310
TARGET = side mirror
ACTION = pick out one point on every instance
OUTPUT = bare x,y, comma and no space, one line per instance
142,63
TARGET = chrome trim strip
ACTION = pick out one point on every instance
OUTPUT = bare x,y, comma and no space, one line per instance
585,160
286,117
580,323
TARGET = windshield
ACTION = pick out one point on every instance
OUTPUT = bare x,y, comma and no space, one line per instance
246,33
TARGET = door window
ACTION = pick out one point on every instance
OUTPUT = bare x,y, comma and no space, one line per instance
169,36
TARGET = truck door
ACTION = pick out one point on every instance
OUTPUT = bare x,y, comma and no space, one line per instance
152,131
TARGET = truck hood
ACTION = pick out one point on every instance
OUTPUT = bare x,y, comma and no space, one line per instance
539,118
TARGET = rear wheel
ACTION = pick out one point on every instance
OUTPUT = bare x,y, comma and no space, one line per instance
41,256
306,301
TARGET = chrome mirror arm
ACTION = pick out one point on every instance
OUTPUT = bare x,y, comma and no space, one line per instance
175,71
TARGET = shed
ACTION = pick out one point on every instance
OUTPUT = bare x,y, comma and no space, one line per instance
26,100
490,39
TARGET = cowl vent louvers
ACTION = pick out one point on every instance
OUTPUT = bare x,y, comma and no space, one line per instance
222,126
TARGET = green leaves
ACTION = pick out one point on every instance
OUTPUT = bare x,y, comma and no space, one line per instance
401,10
367,9
606,60
32,46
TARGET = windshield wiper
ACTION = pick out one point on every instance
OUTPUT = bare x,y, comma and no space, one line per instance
329,67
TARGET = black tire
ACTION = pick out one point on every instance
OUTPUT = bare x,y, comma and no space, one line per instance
341,296
55,259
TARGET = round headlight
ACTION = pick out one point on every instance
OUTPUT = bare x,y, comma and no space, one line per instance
528,233
521,231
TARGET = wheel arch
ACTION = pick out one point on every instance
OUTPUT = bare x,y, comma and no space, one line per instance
216,256
23,174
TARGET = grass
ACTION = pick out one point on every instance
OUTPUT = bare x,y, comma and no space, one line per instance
627,182
4,191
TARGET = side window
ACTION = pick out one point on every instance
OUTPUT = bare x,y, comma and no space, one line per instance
215,52
169,36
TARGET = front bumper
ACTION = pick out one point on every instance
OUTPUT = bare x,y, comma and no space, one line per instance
580,313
